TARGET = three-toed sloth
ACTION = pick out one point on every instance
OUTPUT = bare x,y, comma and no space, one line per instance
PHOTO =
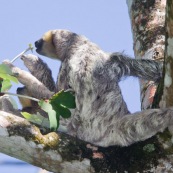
101,115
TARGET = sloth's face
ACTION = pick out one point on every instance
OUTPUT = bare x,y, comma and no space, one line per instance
55,43
45,45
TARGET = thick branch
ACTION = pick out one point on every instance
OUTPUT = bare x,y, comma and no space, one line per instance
63,153
33,85
22,140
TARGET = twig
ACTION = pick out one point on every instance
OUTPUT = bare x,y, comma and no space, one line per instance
20,54
18,95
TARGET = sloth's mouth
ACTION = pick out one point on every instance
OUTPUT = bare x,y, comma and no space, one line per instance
37,50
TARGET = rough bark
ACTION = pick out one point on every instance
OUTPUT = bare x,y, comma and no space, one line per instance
53,152
148,28
167,98
63,153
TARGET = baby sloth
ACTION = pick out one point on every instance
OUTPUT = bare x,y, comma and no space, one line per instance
101,115
41,71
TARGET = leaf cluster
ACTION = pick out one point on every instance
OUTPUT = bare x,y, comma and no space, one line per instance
57,106
6,78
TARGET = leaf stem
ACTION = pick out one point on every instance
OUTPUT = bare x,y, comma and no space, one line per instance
18,95
20,54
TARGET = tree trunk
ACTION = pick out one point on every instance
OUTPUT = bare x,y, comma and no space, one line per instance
167,98
148,28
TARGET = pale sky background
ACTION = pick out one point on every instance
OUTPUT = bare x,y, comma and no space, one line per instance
106,23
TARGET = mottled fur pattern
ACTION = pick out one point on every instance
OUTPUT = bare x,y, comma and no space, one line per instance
101,115
40,70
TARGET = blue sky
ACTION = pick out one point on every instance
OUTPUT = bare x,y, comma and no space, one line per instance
104,22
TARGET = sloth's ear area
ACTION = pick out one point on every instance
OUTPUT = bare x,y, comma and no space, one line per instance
48,36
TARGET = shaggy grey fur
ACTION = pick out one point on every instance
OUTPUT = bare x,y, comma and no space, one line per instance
40,70
101,115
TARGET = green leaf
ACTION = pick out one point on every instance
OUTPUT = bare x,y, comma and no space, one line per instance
61,101
35,118
9,77
5,69
63,111
6,85
53,116
31,117
64,98
6,73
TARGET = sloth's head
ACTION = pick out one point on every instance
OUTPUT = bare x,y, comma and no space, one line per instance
24,101
55,43
45,46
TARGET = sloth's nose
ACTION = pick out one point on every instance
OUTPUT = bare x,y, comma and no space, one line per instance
39,43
